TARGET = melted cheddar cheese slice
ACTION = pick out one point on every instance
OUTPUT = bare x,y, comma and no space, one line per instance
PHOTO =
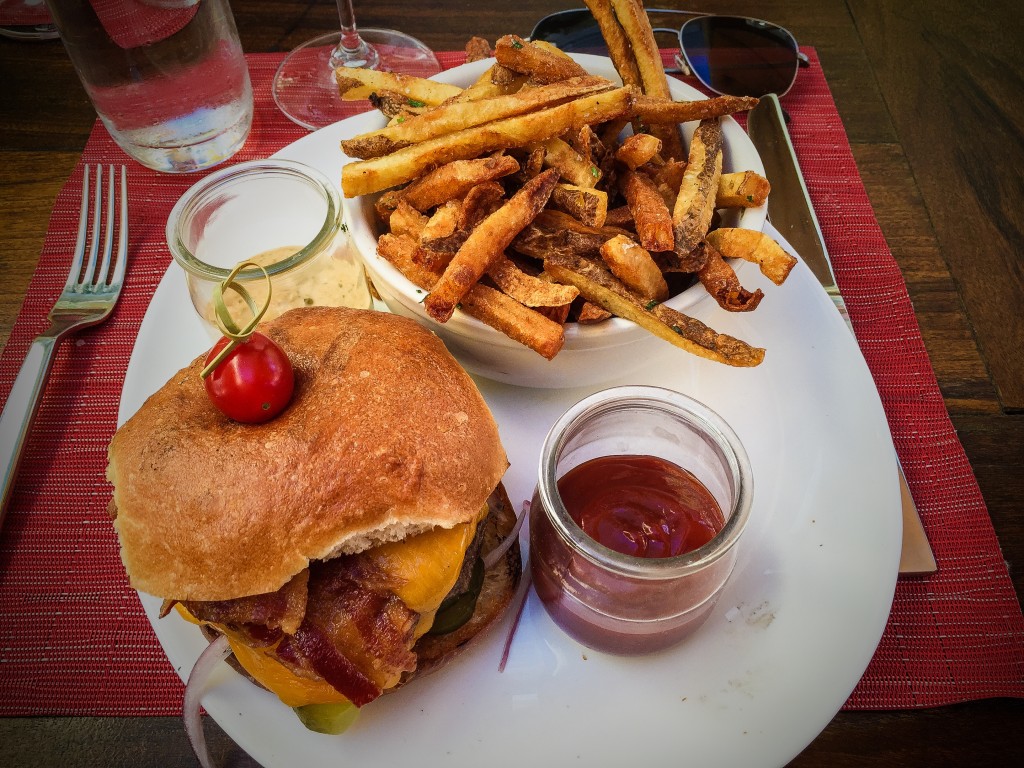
422,569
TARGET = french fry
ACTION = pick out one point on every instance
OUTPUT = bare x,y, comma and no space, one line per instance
487,305
503,313
540,64
657,111
615,40
554,220
354,84
591,314
585,204
635,268
479,203
695,203
443,223
553,231
529,290
455,179
505,80
459,115
489,240
400,251
638,149
395,105
718,346
668,178
598,285
670,174
491,83
550,48
754,246
531,161
406,220
574,167
651,216
719,279
744,189
586,143
364,177
432,259
611,131
386,204
637,28
559,315
477,48
620,217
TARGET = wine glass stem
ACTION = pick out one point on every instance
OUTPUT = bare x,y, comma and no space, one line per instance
352,51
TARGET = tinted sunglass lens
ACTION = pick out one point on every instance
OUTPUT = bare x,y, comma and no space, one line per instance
740,57
572,32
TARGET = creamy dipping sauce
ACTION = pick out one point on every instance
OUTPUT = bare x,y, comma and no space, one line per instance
330,279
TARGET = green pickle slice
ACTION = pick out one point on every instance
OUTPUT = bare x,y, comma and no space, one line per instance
456,610
331,718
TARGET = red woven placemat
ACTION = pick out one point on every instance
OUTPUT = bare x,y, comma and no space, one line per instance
73,636
23,12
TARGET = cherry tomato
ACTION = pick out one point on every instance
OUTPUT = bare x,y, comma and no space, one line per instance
253,383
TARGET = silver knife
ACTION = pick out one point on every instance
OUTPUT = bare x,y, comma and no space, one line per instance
792,214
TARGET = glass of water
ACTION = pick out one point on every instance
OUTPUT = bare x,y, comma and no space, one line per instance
167,77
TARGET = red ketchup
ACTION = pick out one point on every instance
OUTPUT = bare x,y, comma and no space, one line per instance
637,505
643,506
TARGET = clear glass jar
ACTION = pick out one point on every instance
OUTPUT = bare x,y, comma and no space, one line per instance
281,214
621,603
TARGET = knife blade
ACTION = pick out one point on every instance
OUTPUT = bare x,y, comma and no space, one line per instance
792,214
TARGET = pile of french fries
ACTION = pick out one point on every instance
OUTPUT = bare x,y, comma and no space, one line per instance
542,194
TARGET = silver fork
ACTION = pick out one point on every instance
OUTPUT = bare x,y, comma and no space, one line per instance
90,293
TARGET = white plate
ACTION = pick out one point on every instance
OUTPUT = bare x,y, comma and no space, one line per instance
794,630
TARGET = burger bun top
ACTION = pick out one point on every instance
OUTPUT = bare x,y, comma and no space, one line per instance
386,436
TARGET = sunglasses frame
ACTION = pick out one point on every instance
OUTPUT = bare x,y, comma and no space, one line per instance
682,58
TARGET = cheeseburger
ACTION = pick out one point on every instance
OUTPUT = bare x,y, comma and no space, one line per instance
338,547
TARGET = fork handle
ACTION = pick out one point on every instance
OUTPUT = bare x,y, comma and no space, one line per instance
20,410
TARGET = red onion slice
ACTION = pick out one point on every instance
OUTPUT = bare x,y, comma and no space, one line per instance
524,592
499,551
208,660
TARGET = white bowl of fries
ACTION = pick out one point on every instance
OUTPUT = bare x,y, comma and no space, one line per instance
492,334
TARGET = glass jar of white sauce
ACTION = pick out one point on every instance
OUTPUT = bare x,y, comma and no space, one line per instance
280,214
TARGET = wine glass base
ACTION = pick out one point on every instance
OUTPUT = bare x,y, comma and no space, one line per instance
27,20
306,91
30,32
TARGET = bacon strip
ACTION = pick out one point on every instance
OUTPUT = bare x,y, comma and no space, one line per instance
353,603
332,666
283,609
339,620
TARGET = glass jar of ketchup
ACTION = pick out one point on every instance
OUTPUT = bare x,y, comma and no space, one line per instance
642,495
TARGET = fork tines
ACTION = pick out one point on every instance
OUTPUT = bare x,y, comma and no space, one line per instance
97,274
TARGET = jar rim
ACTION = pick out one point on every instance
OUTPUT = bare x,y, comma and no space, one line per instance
674,404
199,192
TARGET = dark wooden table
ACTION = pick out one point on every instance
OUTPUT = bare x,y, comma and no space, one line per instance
929,93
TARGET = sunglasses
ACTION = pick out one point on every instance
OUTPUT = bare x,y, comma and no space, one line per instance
730,55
